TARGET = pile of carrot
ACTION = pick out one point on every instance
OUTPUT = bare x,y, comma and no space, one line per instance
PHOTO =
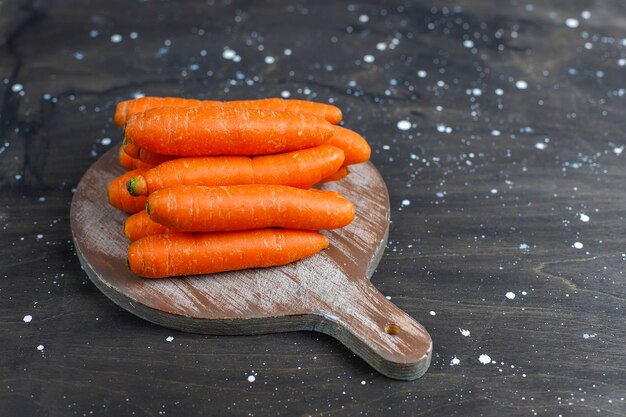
220,186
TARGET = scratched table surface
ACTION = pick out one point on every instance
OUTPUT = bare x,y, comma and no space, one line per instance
499,130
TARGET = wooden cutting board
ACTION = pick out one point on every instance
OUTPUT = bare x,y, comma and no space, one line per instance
329,292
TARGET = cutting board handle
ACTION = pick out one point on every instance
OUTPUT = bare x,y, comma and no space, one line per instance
383,335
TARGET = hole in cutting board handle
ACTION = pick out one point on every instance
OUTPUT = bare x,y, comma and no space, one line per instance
392,329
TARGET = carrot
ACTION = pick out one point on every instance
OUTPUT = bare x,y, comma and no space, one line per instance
340,174
161,256
205,131
354,146
120,198
131,149
140,225
125,109
301,169
128,162
240,207
152,158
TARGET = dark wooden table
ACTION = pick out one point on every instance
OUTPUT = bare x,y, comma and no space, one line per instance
498,126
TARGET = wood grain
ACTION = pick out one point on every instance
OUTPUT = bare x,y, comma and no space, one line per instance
329,292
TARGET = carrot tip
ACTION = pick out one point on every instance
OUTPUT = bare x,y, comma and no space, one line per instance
137,186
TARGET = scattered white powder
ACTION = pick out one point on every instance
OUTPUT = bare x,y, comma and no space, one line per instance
406,202
495,132
381,46
464,332
510,295
169,338
363,382
524,246
468,43
403,125
368,58
421,74
285,94
269,60
105,141
541,146
455,361
577,245
484,359
618,150
499,91
229,53
585,14
589,335
572,23
116,38
251,378
432,313
287,52
40,348
364,18
17,87
27,318
583,217
521,84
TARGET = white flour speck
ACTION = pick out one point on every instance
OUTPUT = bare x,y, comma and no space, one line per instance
287,52
17,87
455,361
583,217
572,23
40,348
468,43
251,378
364,18
368,58
285,94
381,46
27,318
105,141
228,53
621,62
499,92
618,150
484,359
406,202
269,60
541,146
363,382
589,335
495,132
169,338
510,295
464,332
403,125
577,245
524,246
116,38
494,191
521,84
432,313
421,74
585,14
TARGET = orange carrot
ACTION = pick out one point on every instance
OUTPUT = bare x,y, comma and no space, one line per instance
167,255
354,146
130,163
340,174
204,131
131,149
240,207
140,225
301,169
125,109
120,198
126,161
152,158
